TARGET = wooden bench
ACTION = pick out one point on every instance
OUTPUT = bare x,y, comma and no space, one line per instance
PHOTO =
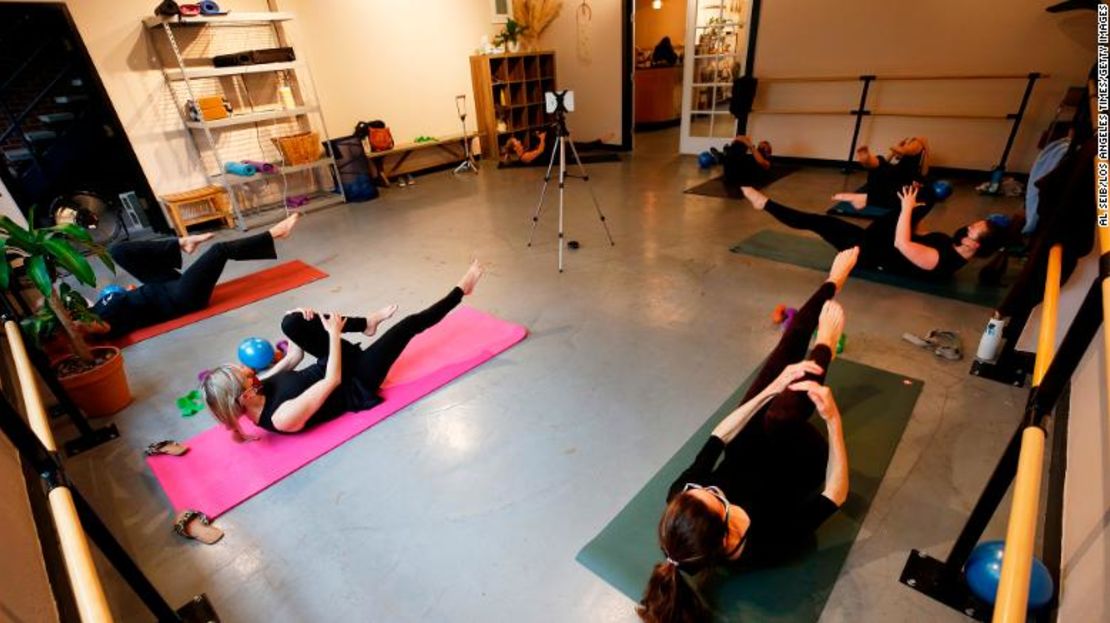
386,164
198,206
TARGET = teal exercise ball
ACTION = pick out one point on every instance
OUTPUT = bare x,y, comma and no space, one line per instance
984,569
256,353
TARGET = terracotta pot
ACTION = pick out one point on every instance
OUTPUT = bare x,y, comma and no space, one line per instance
103,390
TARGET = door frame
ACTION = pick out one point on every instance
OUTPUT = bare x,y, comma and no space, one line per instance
695,144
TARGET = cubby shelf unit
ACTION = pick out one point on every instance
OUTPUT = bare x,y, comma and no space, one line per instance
185,77
509,97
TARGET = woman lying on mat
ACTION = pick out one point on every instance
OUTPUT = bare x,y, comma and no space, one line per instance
746,163
513,147
778,479
288,400
891,242
167,292
907,163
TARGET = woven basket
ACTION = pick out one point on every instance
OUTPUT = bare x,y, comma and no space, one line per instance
299,148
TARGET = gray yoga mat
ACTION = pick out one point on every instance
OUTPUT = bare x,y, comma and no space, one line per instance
875,406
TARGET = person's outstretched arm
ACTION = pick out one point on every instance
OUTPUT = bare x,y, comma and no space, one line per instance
836,471
922,256
734,422
293,414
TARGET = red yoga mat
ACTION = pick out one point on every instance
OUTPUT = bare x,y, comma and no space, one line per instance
234,294
217,474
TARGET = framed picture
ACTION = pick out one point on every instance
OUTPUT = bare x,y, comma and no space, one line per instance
502,10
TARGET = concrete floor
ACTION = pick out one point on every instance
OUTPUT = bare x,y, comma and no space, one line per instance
471,504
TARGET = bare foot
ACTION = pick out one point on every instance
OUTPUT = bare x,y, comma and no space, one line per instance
284,227
866,158
830,325
758,199
376,318
190,243
858,200
470,279
842,266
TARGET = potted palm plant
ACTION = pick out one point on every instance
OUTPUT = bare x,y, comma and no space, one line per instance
93,376
510,35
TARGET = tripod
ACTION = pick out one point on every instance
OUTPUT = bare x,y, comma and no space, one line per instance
559,148
468,163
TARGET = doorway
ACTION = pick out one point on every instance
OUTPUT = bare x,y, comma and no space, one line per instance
660,35
721,39
59,134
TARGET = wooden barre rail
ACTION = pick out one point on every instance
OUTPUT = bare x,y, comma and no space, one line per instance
898,77
87,589
935,115
1012,599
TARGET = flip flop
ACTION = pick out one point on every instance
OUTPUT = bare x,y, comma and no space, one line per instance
196,526
166,446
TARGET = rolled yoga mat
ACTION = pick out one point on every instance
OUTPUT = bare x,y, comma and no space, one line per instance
240,168
875,406
232,295
217,474
716,187
843,208
811,252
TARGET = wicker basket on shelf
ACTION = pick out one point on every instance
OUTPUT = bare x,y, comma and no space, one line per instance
300,148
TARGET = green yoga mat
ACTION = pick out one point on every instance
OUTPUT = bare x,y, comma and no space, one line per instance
810,252
875,406
843,208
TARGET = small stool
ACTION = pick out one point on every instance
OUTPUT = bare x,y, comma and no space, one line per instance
198,206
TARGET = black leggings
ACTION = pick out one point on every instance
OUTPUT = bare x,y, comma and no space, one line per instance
159,262
838,233
790,409
369,367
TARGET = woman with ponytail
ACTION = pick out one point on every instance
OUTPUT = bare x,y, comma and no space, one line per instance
766,478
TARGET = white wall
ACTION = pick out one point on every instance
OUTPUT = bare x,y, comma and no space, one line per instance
1085,568
402,62
592,70
809,38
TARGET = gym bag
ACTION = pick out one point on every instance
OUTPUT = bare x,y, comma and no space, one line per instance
376,133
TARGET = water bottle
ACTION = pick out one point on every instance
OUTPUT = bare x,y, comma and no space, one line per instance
991,342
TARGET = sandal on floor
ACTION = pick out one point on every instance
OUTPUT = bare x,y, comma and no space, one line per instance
944,344
166,446
196,526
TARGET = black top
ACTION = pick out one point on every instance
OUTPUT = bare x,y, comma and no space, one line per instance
126,311
287,385
741,167
785,506
878,251
886,180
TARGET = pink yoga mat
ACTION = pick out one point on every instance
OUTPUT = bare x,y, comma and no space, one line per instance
217,473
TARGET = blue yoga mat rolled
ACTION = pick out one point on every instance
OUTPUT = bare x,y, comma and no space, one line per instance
240,168
209,8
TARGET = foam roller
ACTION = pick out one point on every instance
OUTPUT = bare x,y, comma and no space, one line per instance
240,168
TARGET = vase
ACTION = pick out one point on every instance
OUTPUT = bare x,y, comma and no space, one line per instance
513,46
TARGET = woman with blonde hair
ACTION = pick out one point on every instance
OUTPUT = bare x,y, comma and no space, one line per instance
343,378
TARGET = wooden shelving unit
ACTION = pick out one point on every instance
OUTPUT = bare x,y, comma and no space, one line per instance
508,96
